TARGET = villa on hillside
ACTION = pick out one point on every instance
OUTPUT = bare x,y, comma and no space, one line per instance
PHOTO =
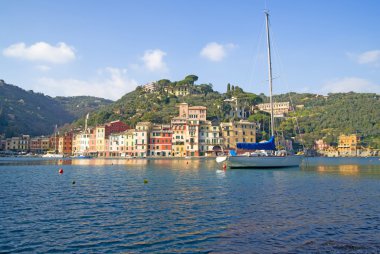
280,109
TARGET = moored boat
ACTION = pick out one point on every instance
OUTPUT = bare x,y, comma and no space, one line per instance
252,157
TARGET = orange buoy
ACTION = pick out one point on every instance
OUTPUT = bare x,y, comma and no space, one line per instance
60,171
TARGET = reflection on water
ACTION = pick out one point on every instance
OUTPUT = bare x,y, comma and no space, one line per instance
342,169
187,206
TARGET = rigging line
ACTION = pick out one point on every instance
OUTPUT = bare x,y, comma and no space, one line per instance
282,70
256,57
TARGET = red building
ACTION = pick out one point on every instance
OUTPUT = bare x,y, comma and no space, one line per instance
115,127
66,144
160,142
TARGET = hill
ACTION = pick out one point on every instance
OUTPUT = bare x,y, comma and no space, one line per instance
316,116
28,112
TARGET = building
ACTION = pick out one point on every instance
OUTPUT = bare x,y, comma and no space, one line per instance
129,143
193,116
18,144
160,143
179,129
321,145
150,87
235,132
141,135
100,140
179,90
210,139
65,144
280,109
238,109
348,145
81,143
115,127
116,144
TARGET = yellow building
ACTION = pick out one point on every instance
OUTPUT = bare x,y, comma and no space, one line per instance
235,132
179,126
101,142
348,145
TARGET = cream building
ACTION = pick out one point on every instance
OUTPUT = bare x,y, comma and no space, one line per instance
141,136
280,109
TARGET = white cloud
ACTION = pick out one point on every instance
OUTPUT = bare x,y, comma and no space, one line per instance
154,60
369,57
350,84
43,68
111,83
216,52
41,51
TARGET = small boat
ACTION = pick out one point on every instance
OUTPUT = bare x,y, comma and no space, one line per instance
261,158
51,154
82,156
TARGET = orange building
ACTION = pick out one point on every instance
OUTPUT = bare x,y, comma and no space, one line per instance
348,145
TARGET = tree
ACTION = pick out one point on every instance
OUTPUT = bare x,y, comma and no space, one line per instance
228,87
191,79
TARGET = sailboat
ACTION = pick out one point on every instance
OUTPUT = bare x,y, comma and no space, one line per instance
262,159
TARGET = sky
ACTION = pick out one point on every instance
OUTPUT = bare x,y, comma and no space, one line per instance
107,48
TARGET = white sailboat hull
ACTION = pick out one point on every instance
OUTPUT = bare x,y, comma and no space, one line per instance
264,161
52,156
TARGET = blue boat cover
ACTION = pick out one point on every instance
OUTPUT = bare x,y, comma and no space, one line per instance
267,145
233,153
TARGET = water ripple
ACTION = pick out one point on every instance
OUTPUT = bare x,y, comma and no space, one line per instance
186,208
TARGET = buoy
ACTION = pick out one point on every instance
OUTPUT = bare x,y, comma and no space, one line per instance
145,181
187,162
73,182
60,171
224,166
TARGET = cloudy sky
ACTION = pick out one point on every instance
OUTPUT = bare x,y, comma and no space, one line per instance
107,48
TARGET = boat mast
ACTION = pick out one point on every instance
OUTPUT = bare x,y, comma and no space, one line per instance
270,75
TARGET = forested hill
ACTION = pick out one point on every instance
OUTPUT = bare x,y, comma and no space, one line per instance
340,113
28,112
318,116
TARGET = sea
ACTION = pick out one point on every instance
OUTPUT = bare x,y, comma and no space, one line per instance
328,205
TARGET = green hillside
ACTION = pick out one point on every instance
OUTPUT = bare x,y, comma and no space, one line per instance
80,105
316,116
28,112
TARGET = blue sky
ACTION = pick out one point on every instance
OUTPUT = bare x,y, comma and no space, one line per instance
107,48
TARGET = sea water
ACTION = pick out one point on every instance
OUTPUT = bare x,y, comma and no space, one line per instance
188,206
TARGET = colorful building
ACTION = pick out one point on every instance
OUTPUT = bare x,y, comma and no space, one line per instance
210,139
129,143
179,129
65,144
160,142
235,132
141,133
348,145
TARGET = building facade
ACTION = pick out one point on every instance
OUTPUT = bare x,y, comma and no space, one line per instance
237,131
348,145
280,109
160,143
141,135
